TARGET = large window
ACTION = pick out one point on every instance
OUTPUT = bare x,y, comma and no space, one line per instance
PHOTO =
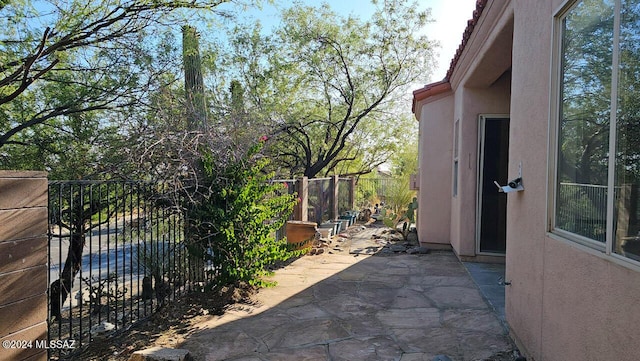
598,134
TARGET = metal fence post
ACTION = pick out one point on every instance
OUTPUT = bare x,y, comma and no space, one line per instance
352,193
333,210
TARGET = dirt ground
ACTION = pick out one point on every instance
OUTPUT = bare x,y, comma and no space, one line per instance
168,327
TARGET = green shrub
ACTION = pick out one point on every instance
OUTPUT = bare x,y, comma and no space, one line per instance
232,216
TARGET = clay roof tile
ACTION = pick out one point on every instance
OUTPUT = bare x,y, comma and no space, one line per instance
444,85
480,5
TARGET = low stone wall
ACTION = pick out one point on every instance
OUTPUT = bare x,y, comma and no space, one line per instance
23,265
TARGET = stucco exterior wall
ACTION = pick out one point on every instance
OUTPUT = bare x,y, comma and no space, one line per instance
434,195
458,200
565,302
526,229
444,218
590,306
470,104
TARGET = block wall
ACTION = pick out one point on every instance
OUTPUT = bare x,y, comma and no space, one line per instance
23,264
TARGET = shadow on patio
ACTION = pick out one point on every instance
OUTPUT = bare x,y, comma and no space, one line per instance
343,307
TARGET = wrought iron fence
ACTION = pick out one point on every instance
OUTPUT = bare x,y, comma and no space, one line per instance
319,199
582,209
370,191
345,203
116,254
290,186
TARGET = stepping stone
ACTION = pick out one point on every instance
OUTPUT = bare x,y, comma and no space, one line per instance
441,358
397,248
161,354
418,250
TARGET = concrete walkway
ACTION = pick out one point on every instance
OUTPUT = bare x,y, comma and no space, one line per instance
341,306
490,280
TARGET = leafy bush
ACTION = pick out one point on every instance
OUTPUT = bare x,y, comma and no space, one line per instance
232,216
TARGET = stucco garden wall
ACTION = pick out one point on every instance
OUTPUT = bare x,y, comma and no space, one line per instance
434,195
23,264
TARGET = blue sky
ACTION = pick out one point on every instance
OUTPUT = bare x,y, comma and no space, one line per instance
450,17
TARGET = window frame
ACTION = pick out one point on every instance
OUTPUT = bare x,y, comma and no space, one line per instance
592,246
456,158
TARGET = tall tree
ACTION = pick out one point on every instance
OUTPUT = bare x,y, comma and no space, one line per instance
330,86
67,58
65,67
586,94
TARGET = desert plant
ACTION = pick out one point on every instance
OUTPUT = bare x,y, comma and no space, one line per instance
102,288
232,215
398,209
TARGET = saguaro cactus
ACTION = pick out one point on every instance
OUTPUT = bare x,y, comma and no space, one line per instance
194,85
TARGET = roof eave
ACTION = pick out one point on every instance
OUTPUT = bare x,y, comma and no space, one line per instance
436,88
471,24
428,91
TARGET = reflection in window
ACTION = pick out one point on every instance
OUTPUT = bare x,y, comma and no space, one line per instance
587,53
590,108
627,236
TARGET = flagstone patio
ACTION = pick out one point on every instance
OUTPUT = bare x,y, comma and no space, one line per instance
344,306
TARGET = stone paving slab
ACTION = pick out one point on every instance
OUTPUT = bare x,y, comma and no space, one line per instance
343,306
364,243
490,280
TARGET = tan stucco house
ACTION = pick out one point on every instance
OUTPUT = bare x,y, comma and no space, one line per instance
547,91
